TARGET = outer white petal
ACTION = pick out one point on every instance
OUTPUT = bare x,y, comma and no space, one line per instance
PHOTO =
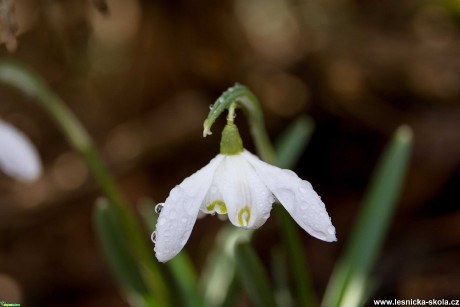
297,196
247,199
18,156
180,211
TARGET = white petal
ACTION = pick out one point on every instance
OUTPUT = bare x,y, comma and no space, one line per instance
297,196
247,199
213,201
18,156
180,211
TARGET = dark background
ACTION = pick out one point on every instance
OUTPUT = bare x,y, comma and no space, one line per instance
141,76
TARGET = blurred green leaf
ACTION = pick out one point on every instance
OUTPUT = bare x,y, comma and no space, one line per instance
280,274
297,257
22,77
184,276
219,271
292,142
181,268
289,147
253,276
233,290
117,253
347,286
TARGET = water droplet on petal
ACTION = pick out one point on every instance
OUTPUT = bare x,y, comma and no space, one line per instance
174,195
153,237
331,230
161,221
158,208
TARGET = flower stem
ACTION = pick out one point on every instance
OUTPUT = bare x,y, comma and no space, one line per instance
20,76
242,97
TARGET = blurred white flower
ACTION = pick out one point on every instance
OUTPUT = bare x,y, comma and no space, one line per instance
18,156
244,187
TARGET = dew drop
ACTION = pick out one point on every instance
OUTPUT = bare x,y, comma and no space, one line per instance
153,237
161,221
303,190
158,208
211,106
331,230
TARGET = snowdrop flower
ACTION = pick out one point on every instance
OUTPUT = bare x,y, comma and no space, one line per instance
18,156
239,184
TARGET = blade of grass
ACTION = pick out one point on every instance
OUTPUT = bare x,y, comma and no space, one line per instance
253,276
289,148
347,285
116,251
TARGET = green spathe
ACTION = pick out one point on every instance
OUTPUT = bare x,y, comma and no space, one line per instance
231,143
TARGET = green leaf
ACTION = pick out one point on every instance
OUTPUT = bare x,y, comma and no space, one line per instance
280,274
297,257
347,286
184,276
290,145
231,296
253,276
20,76
219,271
117,253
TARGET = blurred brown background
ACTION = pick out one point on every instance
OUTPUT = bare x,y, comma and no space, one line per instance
141,75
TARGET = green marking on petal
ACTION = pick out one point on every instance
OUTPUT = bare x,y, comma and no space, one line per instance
222,208
244,216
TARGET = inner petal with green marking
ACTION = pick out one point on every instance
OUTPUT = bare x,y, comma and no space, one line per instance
217,206
244,216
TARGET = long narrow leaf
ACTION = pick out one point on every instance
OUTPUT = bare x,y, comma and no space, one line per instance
219,272
347,286
292,142
253,276
280,274
120,260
